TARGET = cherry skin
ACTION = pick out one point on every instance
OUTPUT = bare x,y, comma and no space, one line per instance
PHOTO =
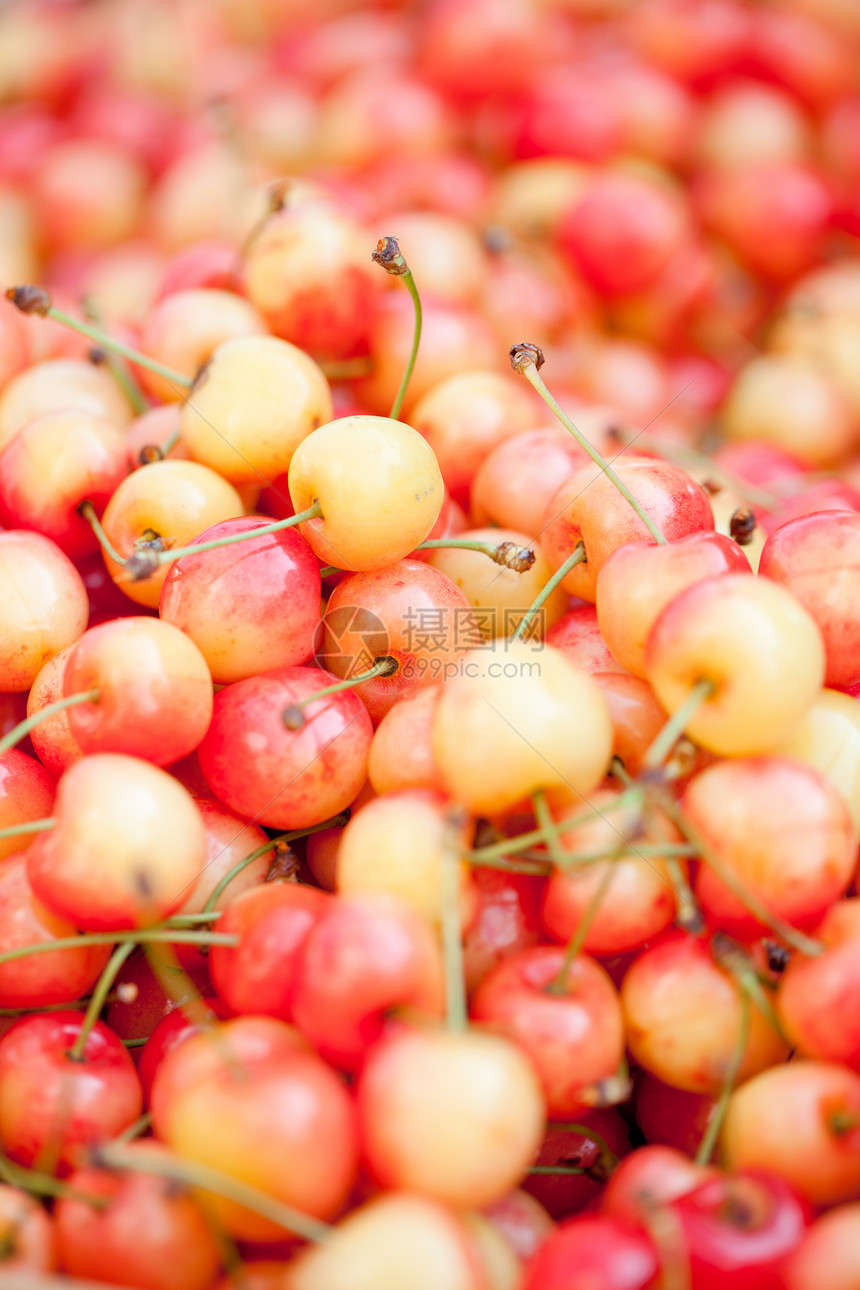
177,1025
60,383
640,578
302,1152
788,839
577,634
370,955
637,716
758,646
739,1230
588,508
273,923
45,605
174,1246
27,1235
597,1249
286,779
814,556
821,1157
398,843
683,1014
507,920
27,792
815,996
828,1257
401,755
154,690
669,1116
128,844
229,600
173,500
39,979
572,1146
649,1177
378,486
52,1106
574,1036
56,462
54,743
184,327
408,611
264,395
502,727
468,415
514,481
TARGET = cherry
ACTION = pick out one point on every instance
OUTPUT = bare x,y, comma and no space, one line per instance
206,1102
595,1249
507,920
174,1246
401,754
27,793
827,1257
27,1234
577,634
431,1106
739,1230
649,1177
589,1159
370,955
60,383
127,844
287,779
52,1106
573,1033
154,690
45,605
815,995
226,600
183,329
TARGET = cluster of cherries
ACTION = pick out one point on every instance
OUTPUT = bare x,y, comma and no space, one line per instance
430,799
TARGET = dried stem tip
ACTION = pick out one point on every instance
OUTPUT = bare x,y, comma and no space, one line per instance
742,525
511,556
526,355
389,257
30,300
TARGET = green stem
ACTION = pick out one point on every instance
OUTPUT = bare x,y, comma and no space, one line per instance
511,846
559,983
140,934
283,838
30,826
577,556
677,723
557,1169
97,1000
543,817
106,341
176,553
293,717
452,936
413,353
41,1184
23,728
688,916
797,940
140,1125
507,554
120,369
212,1180
86,510
533,376
712,1132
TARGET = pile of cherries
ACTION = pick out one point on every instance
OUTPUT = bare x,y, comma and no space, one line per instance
430,644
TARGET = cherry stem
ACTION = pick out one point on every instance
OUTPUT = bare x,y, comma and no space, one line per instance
87,512
177,984
676,725
577,556
30,826
731,956
169,444
688,915
283,839
389,256
37,300
120,369
175,553
796,939
452,937
175,936
559,983
544,819
842,1122
294,718
41,1184
712,1132
97,1000
524,841
345,369
221,1184
507,554
23,728
526,359
558,1169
